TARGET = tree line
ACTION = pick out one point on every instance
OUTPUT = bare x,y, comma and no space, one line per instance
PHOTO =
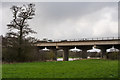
17,46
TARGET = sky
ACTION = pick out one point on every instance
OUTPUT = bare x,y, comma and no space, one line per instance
68,20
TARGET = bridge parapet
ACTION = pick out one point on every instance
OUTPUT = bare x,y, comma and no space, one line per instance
89,39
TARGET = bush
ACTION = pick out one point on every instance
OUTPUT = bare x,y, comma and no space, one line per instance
10,51
112,56
10,54
75,54
94,54
46,55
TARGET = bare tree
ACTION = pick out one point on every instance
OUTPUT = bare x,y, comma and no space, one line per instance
19,27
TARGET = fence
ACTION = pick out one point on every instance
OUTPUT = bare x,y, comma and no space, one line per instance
88,39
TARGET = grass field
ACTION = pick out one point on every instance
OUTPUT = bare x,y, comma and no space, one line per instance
60,69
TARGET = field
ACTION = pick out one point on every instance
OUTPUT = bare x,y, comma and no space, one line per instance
67,69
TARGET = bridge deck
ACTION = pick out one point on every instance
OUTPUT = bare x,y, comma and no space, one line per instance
80,43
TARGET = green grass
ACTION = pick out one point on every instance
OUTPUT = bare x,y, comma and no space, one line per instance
0,71
66,69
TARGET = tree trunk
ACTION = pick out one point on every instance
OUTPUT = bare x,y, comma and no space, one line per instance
20,45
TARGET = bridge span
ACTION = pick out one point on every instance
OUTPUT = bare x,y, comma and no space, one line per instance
86,44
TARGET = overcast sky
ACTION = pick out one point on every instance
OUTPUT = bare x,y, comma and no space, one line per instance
69,20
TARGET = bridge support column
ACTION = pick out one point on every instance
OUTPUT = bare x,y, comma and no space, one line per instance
84,53
119,56
118,47
103,49
104,53
55,54
65,54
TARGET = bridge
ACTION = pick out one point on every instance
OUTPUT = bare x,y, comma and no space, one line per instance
84,44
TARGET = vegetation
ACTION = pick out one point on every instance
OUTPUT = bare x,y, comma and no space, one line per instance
65,69
71,54
46,55
112,55
10,52
17,46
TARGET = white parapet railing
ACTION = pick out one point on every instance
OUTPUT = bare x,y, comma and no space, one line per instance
88,39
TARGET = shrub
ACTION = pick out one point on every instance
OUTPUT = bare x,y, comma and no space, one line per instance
112,55
46,55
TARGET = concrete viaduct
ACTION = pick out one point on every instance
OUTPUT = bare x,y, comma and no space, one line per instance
83,44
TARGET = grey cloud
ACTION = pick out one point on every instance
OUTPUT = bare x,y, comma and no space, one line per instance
69,20
74,9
